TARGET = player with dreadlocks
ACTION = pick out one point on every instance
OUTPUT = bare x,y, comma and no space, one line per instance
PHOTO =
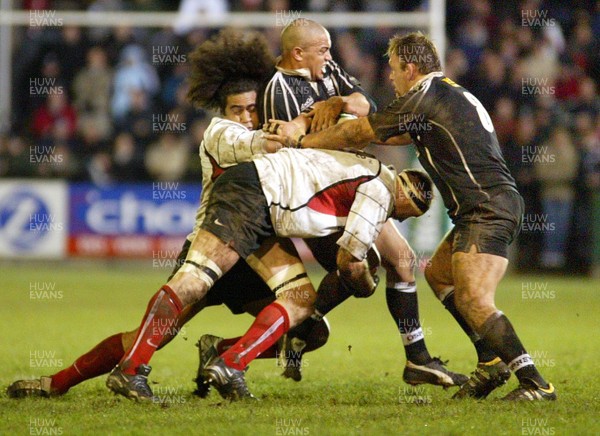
227,71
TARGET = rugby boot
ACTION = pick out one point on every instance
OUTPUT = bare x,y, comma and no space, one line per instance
434,373
207,349
486,377
529,390
134,387
229,382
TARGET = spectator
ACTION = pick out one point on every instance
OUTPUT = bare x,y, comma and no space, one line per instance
71,52
519,152
504,118
56,110
92,90
166,160
99,169
61,164
91,141
18,158
133,74
139,119
174,82
92,84
127,161
556,167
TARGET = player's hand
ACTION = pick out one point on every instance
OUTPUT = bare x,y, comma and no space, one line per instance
326,113
287,133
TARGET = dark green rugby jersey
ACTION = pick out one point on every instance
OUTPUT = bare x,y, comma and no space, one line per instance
455,140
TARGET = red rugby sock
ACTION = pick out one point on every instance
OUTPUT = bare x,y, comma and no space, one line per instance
160,320
272,322
99,360
226,344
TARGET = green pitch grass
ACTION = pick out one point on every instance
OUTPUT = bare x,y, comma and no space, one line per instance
51,314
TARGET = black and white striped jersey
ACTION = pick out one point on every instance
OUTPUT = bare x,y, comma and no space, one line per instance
455,141
291,92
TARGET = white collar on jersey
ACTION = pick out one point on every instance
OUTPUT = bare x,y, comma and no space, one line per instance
427,77
302,72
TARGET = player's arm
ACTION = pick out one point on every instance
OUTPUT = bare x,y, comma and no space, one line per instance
326,113
231,143
353,133
351,99
370,209
395,121
287,133
356,104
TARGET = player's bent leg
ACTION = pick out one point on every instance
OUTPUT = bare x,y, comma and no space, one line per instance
208,258
477,276
98,361
399,260
278,263
490,371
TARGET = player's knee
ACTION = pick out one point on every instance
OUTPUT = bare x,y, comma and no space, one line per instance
188,288
472,304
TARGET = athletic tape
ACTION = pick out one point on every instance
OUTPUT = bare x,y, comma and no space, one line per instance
412,337
407,287
201,267
285,275
445,293
520,362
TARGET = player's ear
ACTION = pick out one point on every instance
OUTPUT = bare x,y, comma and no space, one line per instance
298,54
412,69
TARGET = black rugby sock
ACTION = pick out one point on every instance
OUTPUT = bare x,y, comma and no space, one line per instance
500,336
403,305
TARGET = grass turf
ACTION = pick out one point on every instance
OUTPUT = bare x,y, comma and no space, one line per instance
353,385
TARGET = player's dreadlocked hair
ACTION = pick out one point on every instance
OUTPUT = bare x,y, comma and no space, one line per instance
229,63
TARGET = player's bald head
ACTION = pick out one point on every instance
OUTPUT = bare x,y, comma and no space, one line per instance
302,33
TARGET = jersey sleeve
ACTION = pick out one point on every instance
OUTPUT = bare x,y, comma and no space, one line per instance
348,84
278,103
404,114
371,208
230,144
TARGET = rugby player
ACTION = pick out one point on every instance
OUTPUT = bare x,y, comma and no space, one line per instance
307,81
457,145
291,193
226,75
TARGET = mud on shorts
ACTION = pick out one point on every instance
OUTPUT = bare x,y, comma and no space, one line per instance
238,287
237,211
491,226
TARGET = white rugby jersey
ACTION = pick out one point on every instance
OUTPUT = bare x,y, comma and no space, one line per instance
312,193
225,144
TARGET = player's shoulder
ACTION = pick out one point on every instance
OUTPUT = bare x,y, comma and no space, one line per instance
218,125
445,84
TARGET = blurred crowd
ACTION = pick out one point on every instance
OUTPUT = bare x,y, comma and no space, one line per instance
108,104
